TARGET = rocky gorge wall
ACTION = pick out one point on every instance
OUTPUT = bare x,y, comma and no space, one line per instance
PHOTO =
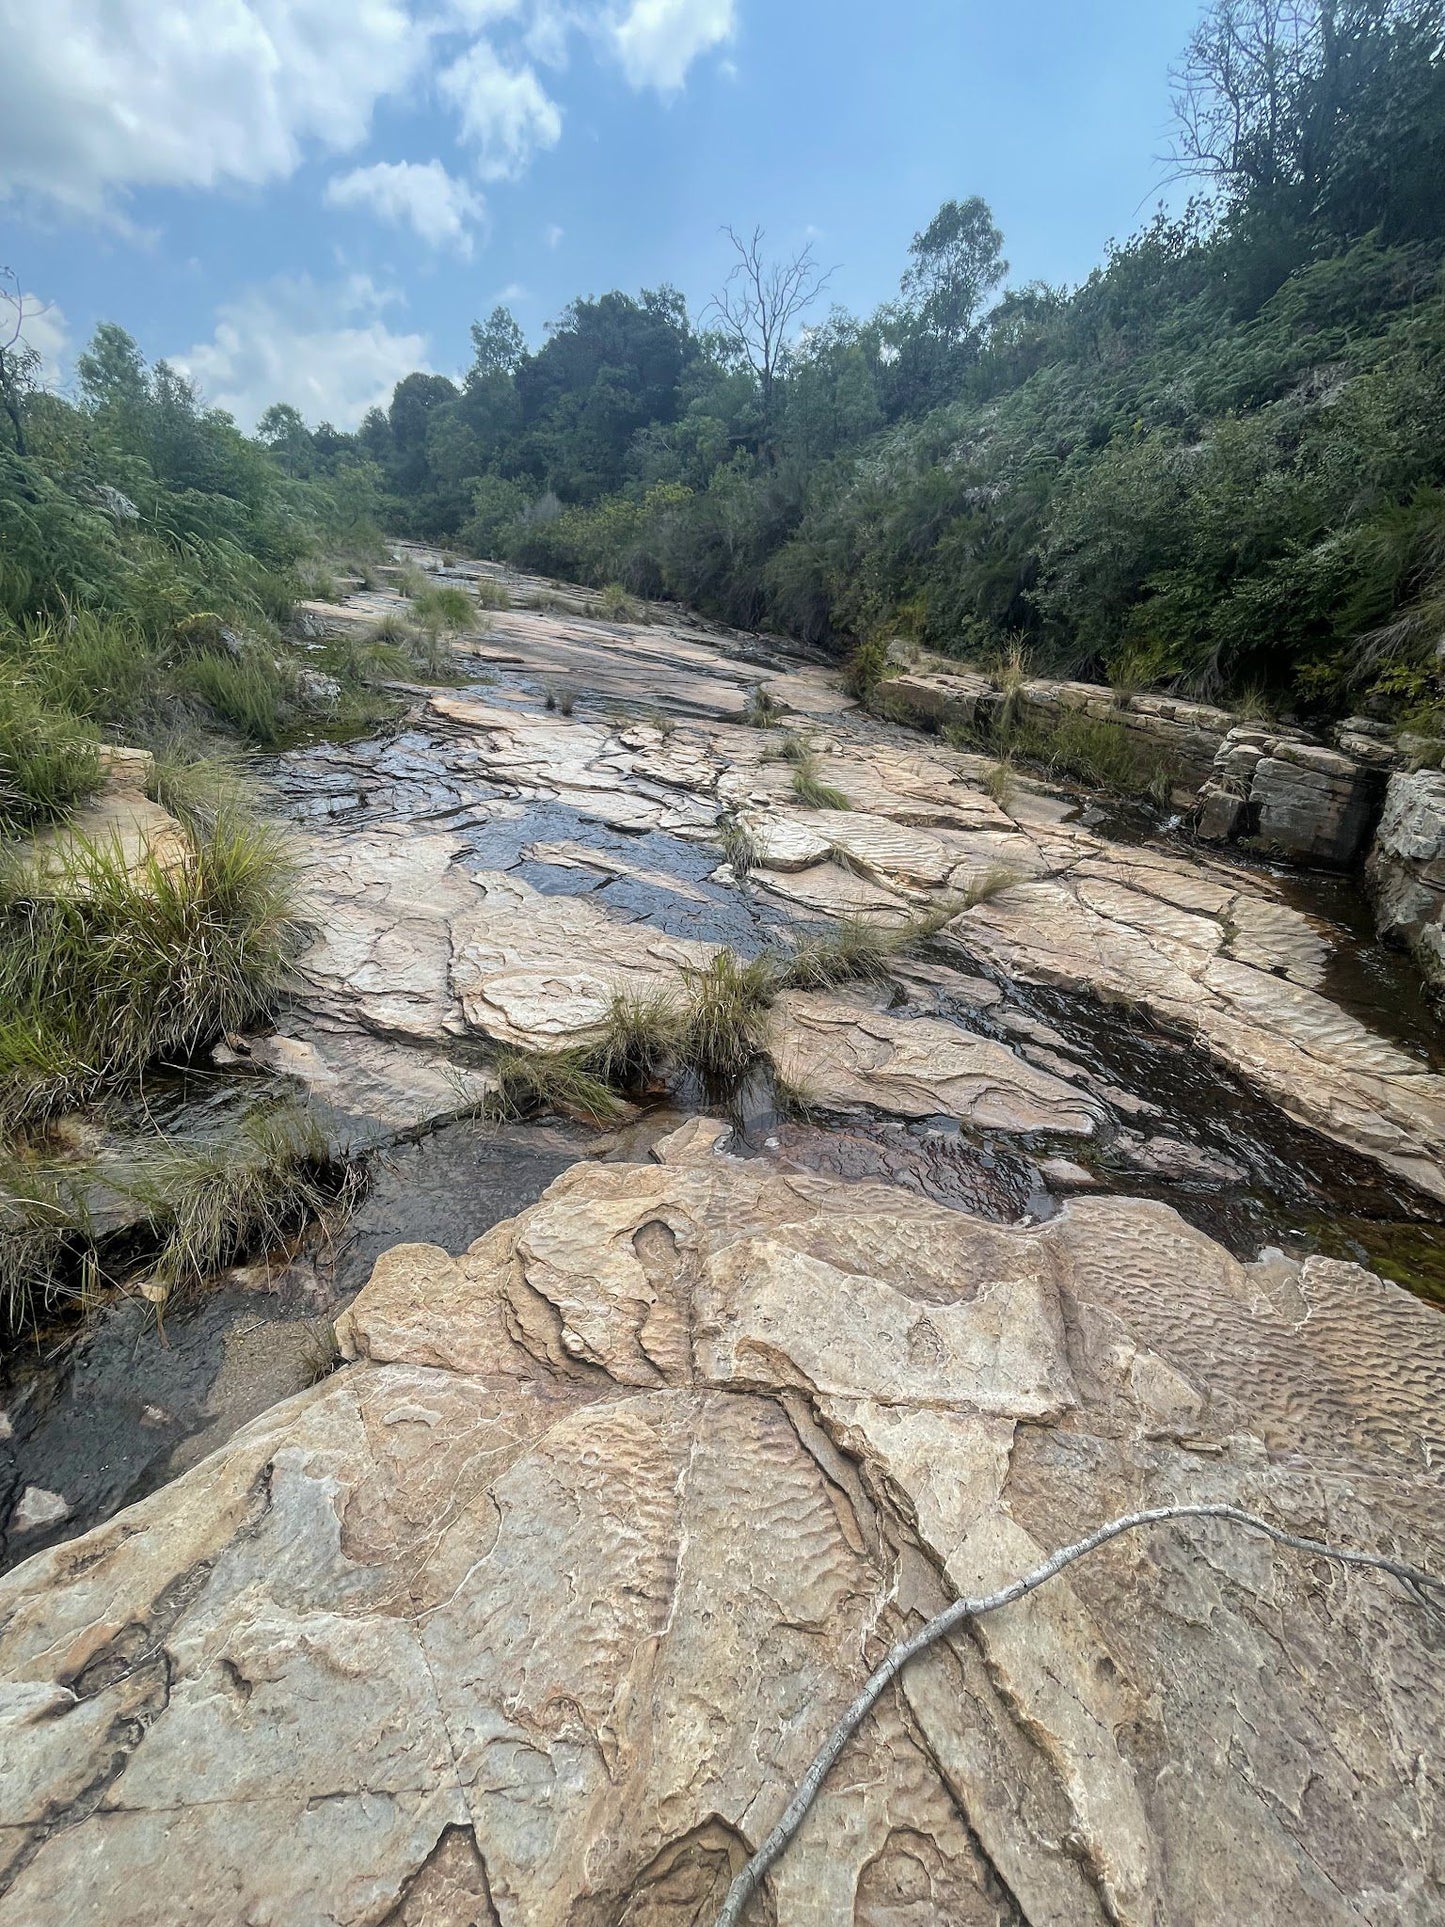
1273,789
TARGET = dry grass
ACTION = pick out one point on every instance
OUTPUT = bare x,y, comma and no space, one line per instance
764,711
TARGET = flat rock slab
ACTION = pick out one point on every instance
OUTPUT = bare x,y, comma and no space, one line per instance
539,971
537,1612
844,1056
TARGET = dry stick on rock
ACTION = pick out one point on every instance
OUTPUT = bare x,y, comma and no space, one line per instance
1420,1584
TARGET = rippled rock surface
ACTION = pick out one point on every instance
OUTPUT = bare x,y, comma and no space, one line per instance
537,1610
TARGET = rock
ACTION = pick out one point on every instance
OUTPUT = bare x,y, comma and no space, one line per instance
1314,804
1172,1157
844,1056
36,1508
1221,814
538,1612
120,508
120,821
538,971
1406,869
317,691
934,699
1319,1065
1062,1174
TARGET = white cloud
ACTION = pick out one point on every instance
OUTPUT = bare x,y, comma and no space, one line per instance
658,40
552,236
102,97
505,111
328,351
416,194
105,95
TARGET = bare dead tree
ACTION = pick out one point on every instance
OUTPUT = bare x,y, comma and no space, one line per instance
1422,1587
757,305
1236,86
18,360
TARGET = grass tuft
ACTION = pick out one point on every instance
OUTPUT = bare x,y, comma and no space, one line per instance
641,1034
533,1083
445,607
739,846
104,969
764,711
212,1205
721,1035
811,790
853,952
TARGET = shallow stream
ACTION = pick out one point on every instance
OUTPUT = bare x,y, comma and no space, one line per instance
97,1416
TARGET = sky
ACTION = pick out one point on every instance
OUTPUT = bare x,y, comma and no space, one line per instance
303,200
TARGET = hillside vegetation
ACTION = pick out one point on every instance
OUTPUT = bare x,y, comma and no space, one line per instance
1219,463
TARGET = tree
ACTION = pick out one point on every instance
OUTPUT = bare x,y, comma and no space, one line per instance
1327,111
756,308
19,362
283,430
498,347
957,260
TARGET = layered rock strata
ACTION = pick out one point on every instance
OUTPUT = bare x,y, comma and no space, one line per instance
1406,870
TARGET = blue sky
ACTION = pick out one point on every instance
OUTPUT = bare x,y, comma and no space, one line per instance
304,199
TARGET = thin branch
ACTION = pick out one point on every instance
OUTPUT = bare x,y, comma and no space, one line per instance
1420,1585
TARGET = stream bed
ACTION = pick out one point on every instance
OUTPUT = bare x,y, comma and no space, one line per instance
97,1413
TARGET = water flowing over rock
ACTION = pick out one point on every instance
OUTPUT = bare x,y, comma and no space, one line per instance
536,1612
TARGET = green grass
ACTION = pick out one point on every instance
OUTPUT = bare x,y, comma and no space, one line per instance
48,760
211,1205
616,605
491,595
811,790
640,1037
104,971
446,607
246,693
535,1083
564,700
722,1029
866,668
1097,751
